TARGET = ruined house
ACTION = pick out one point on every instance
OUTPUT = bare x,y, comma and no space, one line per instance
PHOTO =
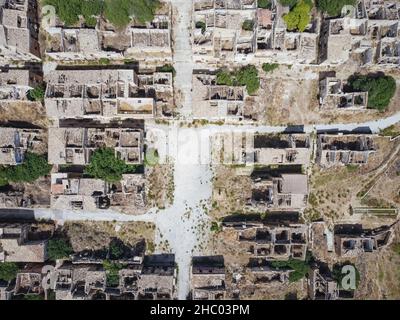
76,145
105,93
72,191
332,96
15,245
262,274
18,31
335,150
267,149
207,278
148,43
15,83
15,143
353,240
369,34
278,236
224,30
272,189
321,285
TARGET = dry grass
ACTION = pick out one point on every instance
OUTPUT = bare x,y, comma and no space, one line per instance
97,235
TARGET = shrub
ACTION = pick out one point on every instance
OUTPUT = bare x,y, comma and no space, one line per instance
118,12
300,268
248,25
380,88
112,272
288,3
33,167
264,4
245,76
37,93
201,25
333,8
104,61
58,249
105,165
167,68
8,271
299,17
69,11
269,67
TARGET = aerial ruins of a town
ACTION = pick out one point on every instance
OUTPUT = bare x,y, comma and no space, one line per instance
199,149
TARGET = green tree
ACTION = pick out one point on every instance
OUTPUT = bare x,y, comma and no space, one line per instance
269,67
58,249
264,4
105,165
288,3
37,93
299,17
333,8
8,271
380,88
33,167
248,25
300,268
245,76
112,272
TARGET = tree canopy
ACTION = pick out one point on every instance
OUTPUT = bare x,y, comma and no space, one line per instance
33,167
333,8
245,76
380,88
298,17
106,166
8,271
58,249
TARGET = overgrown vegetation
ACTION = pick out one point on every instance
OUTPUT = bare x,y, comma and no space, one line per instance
269,67
8,271
390,132
69,11
380,88
201,25
300,268
33,167
118,12
106,166
245,76
112,272
288,3
265,4
333,8
338,275
37,93
167,68
215,227
248,25
298,17
59,249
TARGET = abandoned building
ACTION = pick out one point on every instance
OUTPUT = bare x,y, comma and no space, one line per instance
222,102
76,145
18,32
369,34
207,278
321,285
153,277
278,190
270,241
15,143
269,149
15,83
15,245
335,150
262,274
106,93
72,191
352,240
238,31
148,43
332,96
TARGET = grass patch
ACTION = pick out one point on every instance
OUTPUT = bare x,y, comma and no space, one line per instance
269,67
